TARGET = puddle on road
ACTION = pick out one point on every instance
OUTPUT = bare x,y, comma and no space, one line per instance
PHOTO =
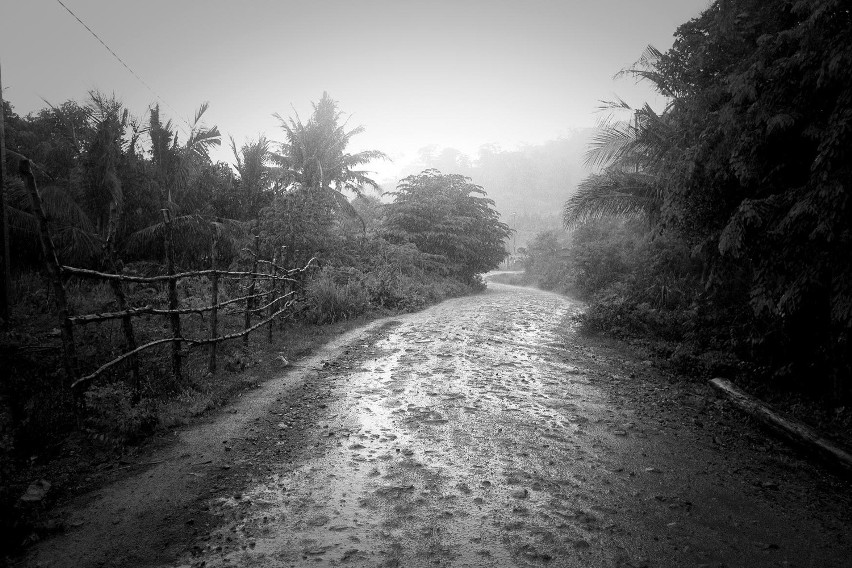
462,441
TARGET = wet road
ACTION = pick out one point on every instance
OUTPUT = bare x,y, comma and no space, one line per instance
480,432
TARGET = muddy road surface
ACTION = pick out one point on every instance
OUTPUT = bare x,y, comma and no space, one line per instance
480,432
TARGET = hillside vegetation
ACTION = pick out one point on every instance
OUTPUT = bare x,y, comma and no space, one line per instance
720,227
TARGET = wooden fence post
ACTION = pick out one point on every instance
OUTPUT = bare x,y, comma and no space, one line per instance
285,284
273,290
253,280
121,301
174,317
54,271
129,335
214,313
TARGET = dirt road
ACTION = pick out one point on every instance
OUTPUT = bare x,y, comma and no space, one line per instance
474,433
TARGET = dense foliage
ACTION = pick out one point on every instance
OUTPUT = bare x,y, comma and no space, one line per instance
449,217
745,176
107,178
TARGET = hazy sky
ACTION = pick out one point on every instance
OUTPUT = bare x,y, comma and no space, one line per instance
453,73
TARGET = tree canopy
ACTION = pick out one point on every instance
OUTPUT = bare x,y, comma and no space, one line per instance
314,159
448,216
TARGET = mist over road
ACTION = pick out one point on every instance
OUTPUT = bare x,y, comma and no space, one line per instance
485,432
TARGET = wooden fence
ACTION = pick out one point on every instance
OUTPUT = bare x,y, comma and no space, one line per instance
266,282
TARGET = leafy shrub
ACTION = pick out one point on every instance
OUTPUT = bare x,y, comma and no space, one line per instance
617,313
449,217
638,282
111,414
599,255
335,294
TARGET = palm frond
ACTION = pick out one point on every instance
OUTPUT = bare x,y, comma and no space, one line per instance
611,194
231,228
202,108
183,227
345,206
76,245
237,155
62,210
351,160
647,68
21,221
614,105
611,141
201,140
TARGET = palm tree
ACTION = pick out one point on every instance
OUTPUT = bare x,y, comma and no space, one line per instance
174,164
85,207
172,168
253,165
631,157
313,158
85,210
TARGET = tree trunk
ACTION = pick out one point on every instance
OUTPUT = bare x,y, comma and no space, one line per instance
174,318
214,313
253,280
273,304
54,272
121,300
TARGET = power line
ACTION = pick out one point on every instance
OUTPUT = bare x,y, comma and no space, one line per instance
120,60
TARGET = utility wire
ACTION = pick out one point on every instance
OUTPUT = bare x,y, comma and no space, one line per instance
120,60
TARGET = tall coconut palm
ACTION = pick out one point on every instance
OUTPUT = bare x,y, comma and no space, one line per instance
174,164
256,174
102,189
313,158
172,168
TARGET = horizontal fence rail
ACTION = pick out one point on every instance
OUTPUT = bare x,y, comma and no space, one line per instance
215,339
94,274
93,318
83,381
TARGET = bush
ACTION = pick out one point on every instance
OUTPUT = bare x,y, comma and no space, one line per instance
617,313
544,262
599,256
335,294
637,281
111,414
340,293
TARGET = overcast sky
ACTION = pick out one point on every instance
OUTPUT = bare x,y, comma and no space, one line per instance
452,73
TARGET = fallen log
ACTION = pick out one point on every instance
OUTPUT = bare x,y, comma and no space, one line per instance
793,431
